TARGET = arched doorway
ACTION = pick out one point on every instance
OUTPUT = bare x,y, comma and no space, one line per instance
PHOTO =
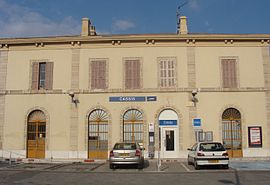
133,126
169,134
36,134
98,134
232,132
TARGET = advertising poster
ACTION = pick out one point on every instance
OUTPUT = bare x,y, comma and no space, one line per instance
255,136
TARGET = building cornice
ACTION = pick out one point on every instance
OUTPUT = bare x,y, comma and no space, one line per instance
147,38
136,91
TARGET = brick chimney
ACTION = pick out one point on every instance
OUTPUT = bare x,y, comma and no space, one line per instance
85,27
183,25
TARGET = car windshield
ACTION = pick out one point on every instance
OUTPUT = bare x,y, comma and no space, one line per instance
211,147
125,146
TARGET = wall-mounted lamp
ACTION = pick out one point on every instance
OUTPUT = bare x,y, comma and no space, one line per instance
194,98
73,100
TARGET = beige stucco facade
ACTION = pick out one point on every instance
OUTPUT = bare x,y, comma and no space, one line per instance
198,67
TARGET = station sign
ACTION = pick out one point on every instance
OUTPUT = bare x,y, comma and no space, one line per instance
132,98
167,122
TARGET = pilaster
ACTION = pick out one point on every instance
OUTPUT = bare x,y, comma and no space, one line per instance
266,70
191,67
3,76
74,118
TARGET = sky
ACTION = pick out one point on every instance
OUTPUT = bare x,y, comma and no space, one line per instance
35,18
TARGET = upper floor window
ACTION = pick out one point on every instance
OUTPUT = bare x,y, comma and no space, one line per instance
167,72
132,73
229,73
98,74
42,76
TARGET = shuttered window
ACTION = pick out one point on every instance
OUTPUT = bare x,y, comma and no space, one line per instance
132,74
229,73
98,74
167,72
42,76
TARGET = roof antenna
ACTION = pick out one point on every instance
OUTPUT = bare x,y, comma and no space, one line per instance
178,14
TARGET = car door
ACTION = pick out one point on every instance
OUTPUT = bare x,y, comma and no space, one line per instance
192,152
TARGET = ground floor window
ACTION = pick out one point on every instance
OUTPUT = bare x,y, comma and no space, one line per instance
133,126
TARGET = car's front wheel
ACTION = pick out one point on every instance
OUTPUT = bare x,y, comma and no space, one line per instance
189,161
112,166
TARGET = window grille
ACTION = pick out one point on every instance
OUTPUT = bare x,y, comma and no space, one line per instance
133,126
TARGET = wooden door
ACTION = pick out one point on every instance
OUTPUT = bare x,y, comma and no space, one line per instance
36,134
98,135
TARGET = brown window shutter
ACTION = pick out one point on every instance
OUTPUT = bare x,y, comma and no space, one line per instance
132,74
94,69
35,69
98,74
138,74
229,74
127,75
102,75
49,76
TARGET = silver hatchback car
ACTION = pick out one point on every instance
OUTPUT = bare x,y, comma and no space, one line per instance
127,153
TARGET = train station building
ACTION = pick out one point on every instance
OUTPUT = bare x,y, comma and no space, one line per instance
73,97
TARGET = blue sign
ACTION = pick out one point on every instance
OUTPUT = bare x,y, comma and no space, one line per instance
197,122
127,99
151,98
167,122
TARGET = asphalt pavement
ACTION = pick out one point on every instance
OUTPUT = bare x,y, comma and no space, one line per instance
150,166
99,173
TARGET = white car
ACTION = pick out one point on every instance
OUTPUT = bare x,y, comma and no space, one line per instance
208,153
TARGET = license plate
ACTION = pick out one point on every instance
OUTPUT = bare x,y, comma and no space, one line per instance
124,154
213,161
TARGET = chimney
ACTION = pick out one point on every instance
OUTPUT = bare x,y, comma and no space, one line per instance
93,30
183,25
85,27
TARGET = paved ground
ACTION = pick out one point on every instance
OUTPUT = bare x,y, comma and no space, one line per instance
99,173
150,166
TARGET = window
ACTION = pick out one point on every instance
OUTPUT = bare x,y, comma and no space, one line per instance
167,72
133,126
98,74
132,74
42,75
229,73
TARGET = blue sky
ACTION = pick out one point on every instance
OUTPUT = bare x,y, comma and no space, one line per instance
27,18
